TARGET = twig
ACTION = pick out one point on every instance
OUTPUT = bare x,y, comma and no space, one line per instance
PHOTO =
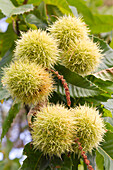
16,26
25,1
87,162
60,77
33,112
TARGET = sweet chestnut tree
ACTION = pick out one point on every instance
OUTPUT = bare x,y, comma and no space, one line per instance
54,67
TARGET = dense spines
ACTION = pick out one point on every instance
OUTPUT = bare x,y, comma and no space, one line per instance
56,128
82,56
37,46
89,128
27,82
79,53
53,130
68,28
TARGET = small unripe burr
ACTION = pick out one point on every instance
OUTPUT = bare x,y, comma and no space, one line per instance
27,82
82,56
68,28
79,53
37,46
53,130
89,128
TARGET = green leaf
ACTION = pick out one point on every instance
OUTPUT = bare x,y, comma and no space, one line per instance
109,120
57,162
97,23
107,145
95,100
9,9
109,126
82,8
14,2
111,44
67,165
5,60
106,74
107,61
1,15
107,86
102,23
108,161
53,12
21,9
3,93
9,164
33,20
76,161
99,161
92,159
6,7
78,85
44,163
106,113
109,104
20,2
64,163
42,9
62,5
33,158
9,119
7,42
74,11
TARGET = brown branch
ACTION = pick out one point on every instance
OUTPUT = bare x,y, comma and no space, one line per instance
87,162
108,2
109,70
16,26
25,2
60,77
33,112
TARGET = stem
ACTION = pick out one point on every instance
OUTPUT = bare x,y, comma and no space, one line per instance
60,77
33,112
16,26
25,2
86,161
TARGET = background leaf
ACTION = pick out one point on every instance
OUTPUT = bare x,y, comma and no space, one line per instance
21,9
78,86
108,161
99,161
102,23
109,104
107,145
107,61
6,7
9,119
33,158
32,19
107,86
9,9
3,93
7,42
62,5
82,8
106,74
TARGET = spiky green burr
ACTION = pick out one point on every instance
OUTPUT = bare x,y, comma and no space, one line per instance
79,53
68,28
27,82
89,128
53,130
82,56
37,46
